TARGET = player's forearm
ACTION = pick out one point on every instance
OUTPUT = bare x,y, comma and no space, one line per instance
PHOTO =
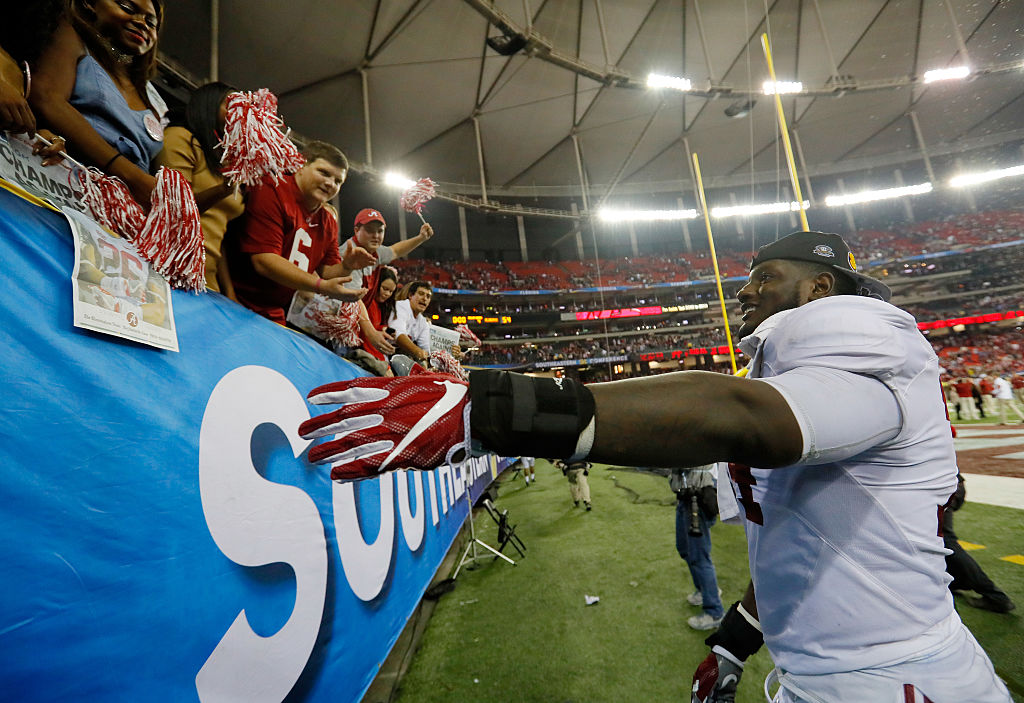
693,418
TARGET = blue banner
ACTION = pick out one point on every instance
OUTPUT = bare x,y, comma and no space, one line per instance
166,538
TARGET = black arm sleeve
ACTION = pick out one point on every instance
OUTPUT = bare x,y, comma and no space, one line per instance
513,414
736,635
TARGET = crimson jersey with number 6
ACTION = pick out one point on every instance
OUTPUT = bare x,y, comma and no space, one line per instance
409,422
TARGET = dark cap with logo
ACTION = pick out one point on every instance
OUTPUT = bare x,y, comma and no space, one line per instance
822,248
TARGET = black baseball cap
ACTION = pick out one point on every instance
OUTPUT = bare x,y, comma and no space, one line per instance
823,248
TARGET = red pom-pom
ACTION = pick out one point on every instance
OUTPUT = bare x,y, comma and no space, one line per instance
255,143
341,328
444,362
172,238
466,335
417,195
110,203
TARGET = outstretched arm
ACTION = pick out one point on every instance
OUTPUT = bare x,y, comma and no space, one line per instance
697,416
404,247
687,418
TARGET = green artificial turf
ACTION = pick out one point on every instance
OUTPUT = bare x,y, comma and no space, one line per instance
523,633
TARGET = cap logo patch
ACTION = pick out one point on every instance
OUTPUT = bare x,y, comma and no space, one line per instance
824,250
853,261
374,214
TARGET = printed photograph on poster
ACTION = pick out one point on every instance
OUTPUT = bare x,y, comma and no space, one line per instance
325,318
114,290
57,184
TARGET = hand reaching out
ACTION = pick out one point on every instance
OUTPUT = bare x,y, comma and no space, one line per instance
383,341
335,288
405,422
355,257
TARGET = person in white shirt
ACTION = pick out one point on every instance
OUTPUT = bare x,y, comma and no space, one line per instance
410,325
1003,393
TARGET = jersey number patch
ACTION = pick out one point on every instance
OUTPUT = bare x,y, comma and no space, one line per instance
297,257
744,479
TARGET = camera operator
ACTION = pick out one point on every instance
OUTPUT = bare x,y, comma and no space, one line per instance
577,472
696,510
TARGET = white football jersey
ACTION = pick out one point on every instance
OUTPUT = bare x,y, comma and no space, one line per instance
844,545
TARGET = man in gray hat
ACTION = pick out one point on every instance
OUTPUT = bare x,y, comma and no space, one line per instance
838,450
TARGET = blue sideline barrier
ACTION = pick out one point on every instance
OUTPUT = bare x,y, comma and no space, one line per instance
165,537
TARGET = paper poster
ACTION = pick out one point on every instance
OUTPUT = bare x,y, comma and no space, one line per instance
306,308
114,290
442,338
57,185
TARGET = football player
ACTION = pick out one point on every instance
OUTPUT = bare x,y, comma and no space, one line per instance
839,452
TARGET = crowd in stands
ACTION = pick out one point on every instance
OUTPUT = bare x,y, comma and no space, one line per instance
77,72
960,233
593,347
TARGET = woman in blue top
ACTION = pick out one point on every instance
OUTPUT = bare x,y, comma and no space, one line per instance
91,85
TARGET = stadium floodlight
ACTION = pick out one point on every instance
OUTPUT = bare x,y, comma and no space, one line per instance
782,87
615,215
946,74
758,209
970,179
867,196
397,180
656,80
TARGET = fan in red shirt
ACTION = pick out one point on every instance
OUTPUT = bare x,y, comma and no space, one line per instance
290,240
380,306
965,391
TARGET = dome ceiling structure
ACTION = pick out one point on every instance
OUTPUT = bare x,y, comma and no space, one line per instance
413,86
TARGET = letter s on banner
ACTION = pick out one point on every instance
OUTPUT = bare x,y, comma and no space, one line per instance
256,522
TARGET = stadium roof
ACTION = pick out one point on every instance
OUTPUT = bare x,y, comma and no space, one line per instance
412,85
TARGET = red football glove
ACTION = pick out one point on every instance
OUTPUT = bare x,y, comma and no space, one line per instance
407,422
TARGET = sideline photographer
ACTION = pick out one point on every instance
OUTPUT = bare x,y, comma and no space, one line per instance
577,472
696,510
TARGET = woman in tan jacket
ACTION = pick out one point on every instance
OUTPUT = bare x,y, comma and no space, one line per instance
190,146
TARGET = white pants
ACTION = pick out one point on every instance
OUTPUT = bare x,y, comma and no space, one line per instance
968,410
956,671
1006,404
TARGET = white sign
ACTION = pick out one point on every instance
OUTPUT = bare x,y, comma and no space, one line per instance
442,338
57,185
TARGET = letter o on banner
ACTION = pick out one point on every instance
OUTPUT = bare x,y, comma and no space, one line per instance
412,525
366,566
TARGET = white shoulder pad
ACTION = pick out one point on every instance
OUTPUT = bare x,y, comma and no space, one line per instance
850,333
